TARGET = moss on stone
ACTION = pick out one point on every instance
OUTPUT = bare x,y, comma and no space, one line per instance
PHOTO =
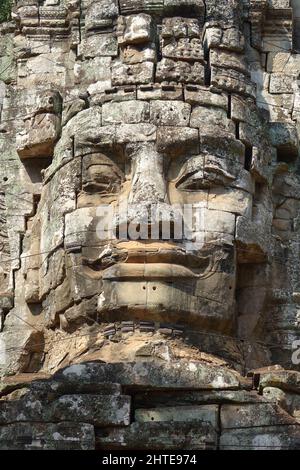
5,9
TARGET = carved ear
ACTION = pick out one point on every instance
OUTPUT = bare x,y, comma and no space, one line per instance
41,128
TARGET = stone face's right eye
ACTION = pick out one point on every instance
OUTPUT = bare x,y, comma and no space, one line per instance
101,175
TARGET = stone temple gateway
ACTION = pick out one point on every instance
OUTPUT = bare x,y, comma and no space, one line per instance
176,339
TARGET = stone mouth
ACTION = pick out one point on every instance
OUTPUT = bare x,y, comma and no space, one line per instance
147,264
147,271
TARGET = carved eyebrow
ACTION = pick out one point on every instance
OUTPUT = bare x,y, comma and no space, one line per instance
218,169
102,161
185,177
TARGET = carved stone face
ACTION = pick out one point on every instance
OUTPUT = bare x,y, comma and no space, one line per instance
161,116
150,179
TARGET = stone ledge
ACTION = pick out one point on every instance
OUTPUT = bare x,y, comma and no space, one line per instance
159,435
262,438
150,375
253,415
41,436
95,409
285,380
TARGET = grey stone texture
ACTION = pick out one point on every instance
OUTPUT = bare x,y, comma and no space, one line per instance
107,341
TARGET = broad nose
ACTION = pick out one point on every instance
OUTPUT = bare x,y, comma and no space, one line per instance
159,222
148,179
148,214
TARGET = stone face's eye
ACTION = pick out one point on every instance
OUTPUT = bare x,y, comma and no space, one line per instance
205,171
101,175
192,181
201,180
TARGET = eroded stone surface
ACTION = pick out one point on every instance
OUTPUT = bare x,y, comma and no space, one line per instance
61,436
160,104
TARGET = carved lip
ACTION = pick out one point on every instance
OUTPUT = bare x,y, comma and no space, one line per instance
159,263
147,271
148,264
162,256
167,257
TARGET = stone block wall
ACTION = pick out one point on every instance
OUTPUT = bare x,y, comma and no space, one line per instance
189,406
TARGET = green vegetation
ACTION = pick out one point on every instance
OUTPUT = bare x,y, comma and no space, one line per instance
5,7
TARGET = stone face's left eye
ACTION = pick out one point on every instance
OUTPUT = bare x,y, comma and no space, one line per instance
193,181
205,171
219,169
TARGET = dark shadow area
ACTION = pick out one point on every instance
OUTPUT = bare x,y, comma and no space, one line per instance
35,166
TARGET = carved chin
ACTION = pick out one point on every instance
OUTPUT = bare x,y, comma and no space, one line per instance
188,301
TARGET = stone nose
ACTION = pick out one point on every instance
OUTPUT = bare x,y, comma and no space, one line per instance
148,212
148,179
144,221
